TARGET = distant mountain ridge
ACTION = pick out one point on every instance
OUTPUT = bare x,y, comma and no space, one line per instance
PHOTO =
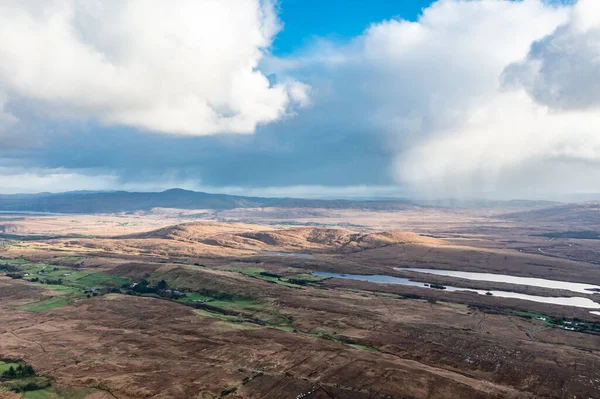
124,201
87,202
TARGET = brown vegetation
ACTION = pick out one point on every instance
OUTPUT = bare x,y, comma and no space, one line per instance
336,338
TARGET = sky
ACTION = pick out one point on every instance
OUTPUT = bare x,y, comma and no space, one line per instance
490,99
306,21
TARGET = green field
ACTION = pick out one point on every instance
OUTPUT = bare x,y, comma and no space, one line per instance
31,384
72,286
60,288
95,280
82,279
307,277
6,365
241,304
248,309
59,393
46,304
70,290
294,281
192,297
14,262
582,326
41,394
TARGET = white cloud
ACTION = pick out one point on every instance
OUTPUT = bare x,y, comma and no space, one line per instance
563,69
182,66
481,97
476,97
6,118
53,180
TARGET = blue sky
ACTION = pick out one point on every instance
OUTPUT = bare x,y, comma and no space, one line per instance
456,98
336,20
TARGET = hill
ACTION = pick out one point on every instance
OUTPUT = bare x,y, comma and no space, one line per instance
239,236
123,201
584,214
91,202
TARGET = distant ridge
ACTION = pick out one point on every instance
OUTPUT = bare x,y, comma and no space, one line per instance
584,213
123,201
86,202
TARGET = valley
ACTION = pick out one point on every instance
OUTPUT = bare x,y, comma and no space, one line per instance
243,305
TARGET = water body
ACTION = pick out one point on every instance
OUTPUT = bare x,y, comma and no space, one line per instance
565,301
504,278
292,254
34,213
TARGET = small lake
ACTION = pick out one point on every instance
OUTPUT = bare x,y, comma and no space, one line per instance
504,278
34,213
292,254
565,301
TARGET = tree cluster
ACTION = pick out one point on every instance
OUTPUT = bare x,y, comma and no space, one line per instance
21,371
8,268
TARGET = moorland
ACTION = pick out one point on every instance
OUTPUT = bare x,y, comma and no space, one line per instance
208,301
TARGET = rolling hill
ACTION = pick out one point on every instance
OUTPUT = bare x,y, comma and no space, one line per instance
123,201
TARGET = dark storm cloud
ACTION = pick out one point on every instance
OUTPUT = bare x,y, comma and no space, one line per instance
282,154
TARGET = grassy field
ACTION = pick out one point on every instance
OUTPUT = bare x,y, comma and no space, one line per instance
69,284
262,274
46,304
100,280
226,317
33,384
293,281
6,365
75,278
72,279
15,262
193,297
41,394
587,327
59,393
248,309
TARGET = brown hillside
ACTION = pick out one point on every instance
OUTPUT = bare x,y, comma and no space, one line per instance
314,239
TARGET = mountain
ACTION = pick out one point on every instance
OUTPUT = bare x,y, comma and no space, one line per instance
123,201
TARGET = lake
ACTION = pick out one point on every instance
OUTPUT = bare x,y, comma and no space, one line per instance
564,301
504,278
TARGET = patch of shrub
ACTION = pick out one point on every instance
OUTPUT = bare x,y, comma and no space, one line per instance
298,281
49,281
8,268
27,384
228,391
269,274
437,286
